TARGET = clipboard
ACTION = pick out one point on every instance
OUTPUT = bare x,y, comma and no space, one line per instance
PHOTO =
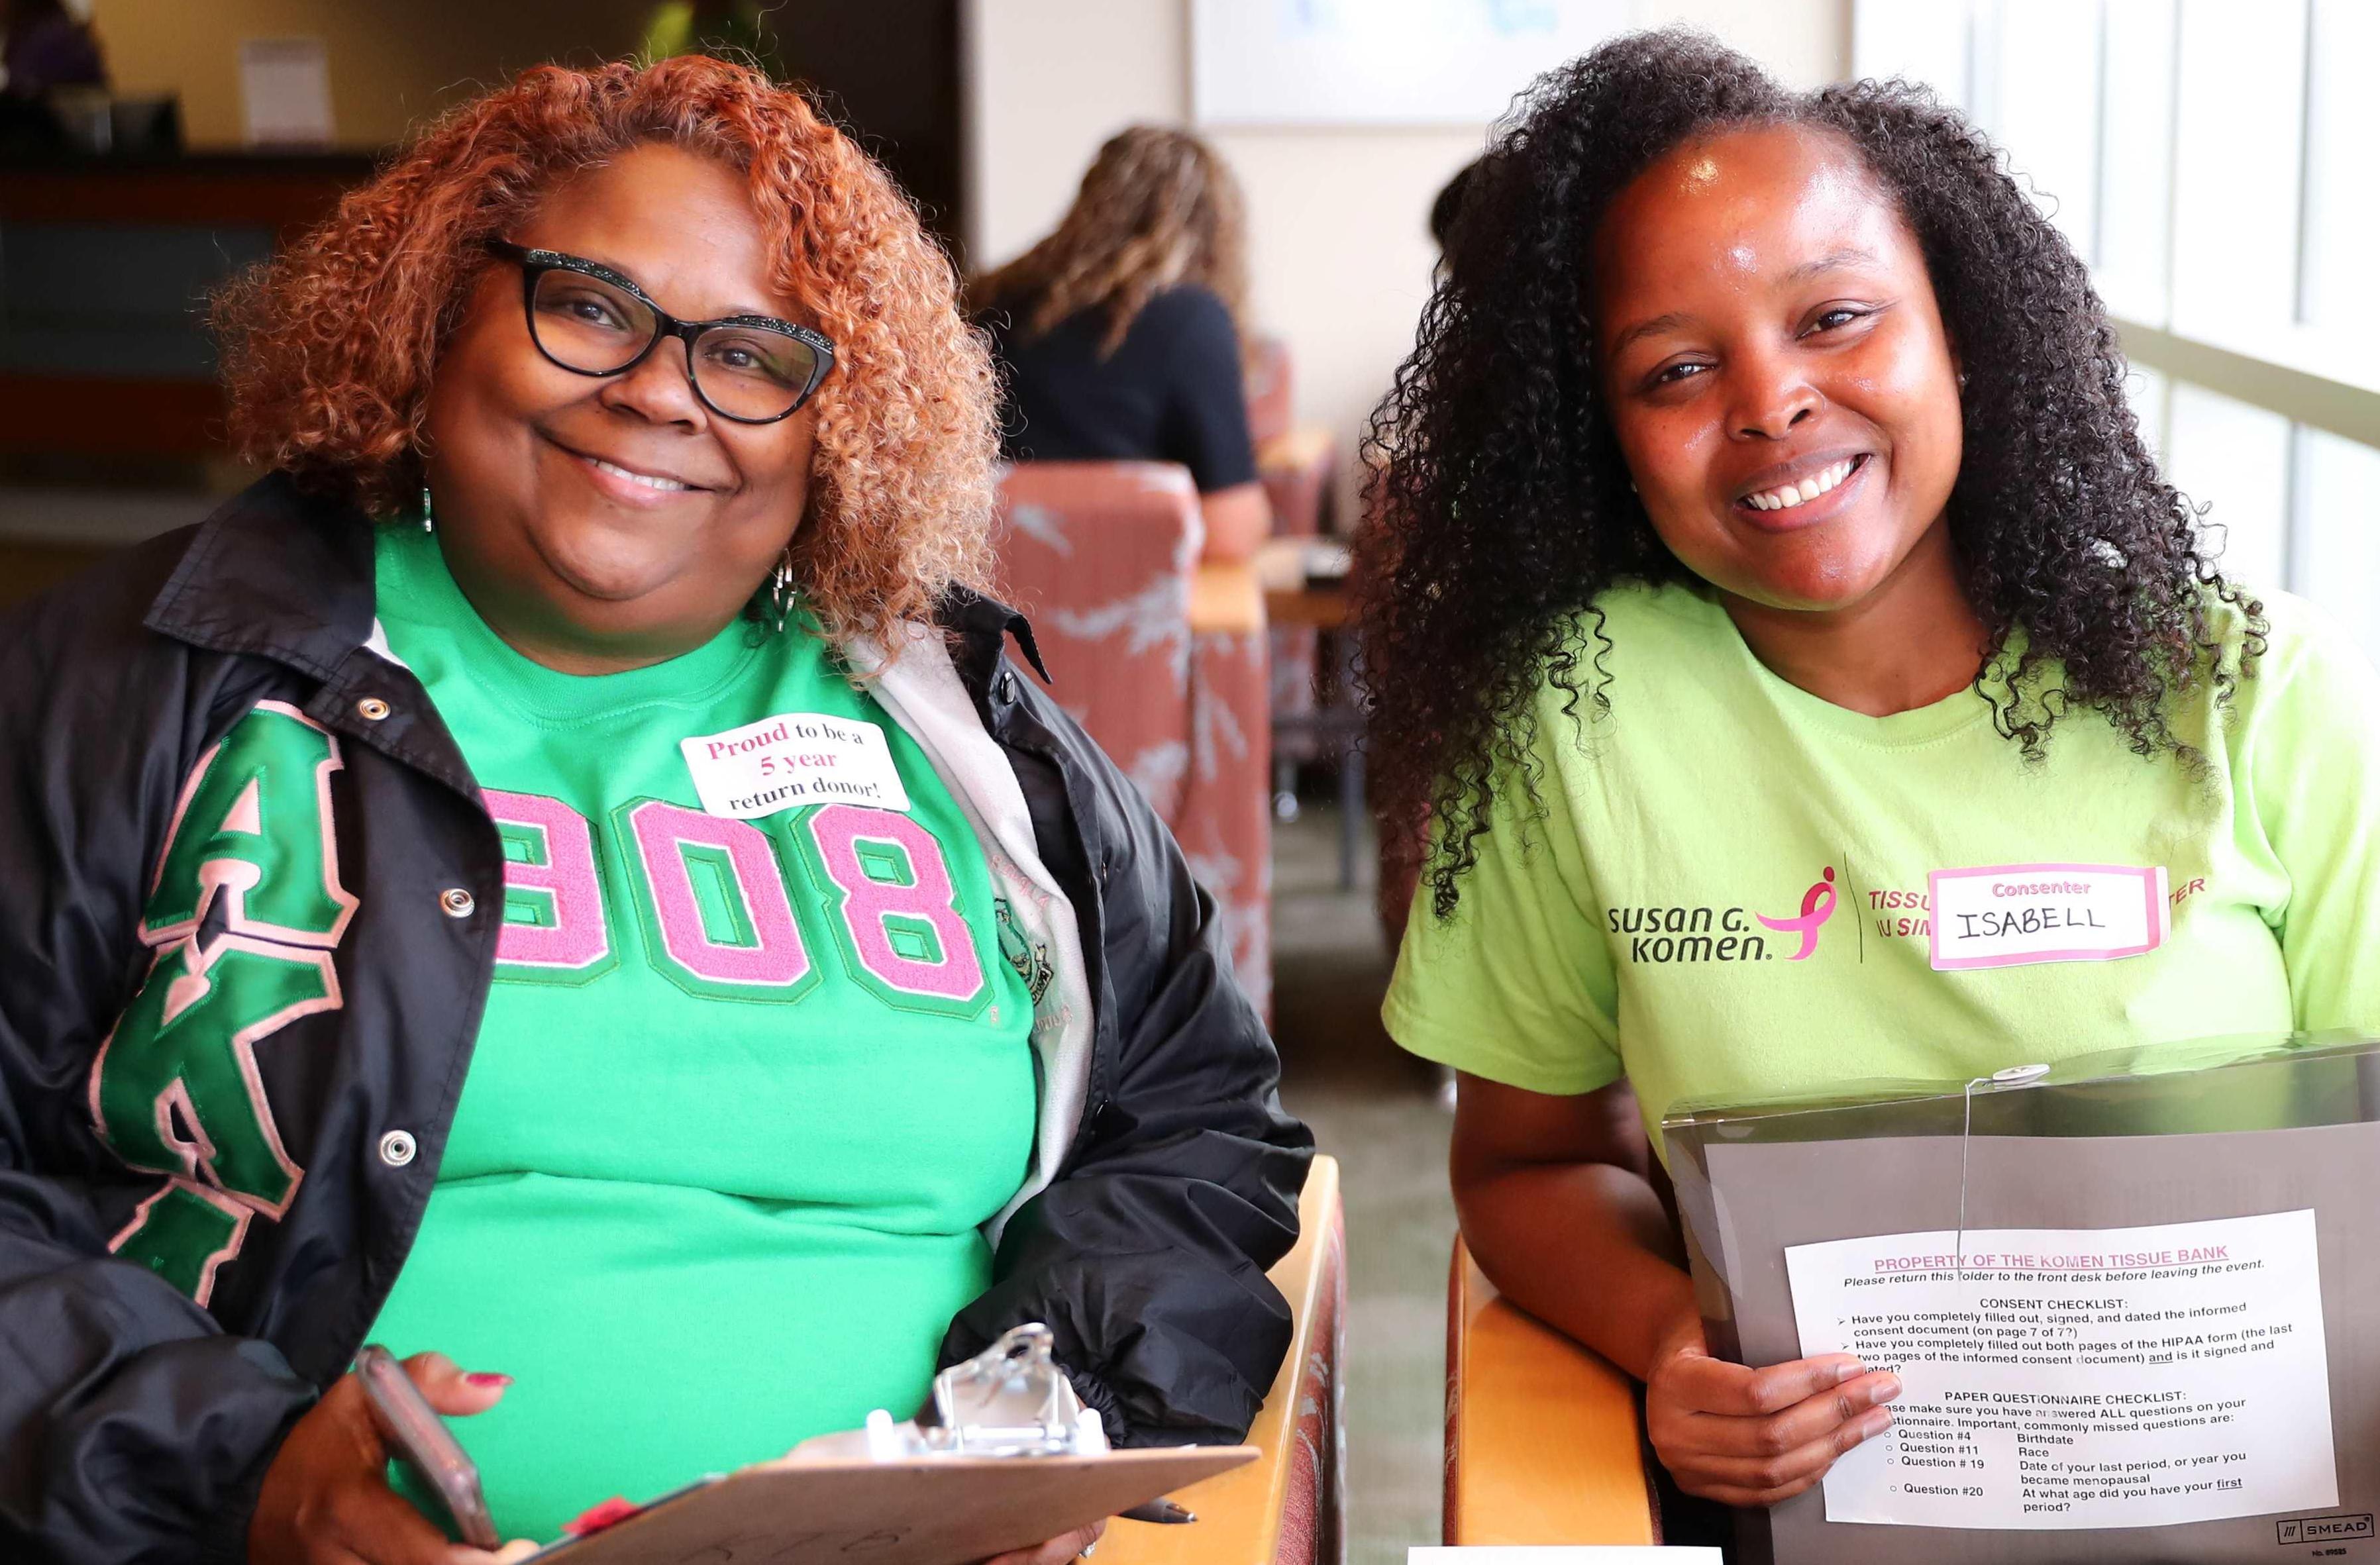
1005,1457
919,1511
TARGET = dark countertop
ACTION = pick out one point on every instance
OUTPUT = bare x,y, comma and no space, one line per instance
275,189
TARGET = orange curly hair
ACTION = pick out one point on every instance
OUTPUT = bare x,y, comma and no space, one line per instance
329,350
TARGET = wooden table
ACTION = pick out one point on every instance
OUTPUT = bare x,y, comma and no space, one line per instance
1225,598
1316,608
1228,596
1291,597
1301,446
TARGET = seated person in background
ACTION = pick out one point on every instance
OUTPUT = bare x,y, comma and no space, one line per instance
1821,551
1120,336
382,967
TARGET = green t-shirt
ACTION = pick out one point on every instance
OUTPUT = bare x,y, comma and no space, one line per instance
745,1090
1623,933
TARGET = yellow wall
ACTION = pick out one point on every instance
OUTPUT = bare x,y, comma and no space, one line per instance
390,61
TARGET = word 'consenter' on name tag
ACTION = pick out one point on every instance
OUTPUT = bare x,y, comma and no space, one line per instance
792,761
2008,915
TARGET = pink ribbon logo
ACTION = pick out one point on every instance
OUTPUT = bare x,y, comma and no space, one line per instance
1817,906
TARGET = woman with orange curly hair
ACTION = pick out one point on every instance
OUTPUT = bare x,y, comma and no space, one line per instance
558,877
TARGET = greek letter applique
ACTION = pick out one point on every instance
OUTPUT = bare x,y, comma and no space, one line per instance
244,914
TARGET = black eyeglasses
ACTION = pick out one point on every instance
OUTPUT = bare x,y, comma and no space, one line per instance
590,319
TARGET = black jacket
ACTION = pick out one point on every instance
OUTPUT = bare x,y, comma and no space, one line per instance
136,1422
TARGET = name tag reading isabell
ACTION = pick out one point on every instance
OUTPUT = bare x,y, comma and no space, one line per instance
792,761
2010,914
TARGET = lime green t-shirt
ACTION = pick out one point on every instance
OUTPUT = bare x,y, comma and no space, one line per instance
1731,894
745,1089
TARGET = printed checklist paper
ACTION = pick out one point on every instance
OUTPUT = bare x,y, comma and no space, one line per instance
2080,1378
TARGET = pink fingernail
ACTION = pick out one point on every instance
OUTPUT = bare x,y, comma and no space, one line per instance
1885,1391
484,1378
1876,1423
1845,1371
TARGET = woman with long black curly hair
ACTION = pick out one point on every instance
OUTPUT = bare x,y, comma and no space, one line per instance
1806,676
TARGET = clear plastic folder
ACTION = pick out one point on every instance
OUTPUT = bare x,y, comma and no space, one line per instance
2133,1299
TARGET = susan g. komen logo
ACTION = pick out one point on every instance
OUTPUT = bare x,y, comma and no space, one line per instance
1817,906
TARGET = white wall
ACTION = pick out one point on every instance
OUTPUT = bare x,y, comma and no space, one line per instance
1339,249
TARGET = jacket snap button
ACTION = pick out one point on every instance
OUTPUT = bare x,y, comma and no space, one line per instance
371,708
397,1149
1007,685
457,902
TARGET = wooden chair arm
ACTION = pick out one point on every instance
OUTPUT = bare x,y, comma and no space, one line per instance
1241,1512
1543,1442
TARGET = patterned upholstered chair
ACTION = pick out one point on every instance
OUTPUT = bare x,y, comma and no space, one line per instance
1101,555
1288,1507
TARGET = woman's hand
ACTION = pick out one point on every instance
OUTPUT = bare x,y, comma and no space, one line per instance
1057,1552
326,1499
1755,1436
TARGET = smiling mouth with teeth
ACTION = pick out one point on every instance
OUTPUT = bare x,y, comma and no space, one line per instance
1809,489
645,478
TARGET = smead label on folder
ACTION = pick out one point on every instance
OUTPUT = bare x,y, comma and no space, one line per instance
2010,914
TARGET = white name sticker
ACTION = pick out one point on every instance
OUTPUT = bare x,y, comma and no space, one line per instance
2008,915
792,761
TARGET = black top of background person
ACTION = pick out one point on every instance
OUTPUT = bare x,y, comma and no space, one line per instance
1170,391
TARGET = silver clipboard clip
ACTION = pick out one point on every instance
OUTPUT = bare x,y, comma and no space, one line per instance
1010,1399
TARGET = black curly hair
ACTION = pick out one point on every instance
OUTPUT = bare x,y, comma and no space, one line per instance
1500,504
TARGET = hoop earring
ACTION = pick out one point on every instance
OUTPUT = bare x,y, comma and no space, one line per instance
781,593
429,522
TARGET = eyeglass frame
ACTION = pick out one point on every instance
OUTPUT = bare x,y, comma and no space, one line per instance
535,263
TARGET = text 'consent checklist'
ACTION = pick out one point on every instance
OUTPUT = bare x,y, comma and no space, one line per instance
2080,1378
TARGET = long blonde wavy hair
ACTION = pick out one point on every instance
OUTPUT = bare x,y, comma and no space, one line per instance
1158,208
